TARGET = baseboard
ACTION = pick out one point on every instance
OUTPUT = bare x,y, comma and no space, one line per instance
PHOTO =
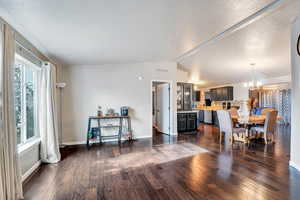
109,140
31,170
294,165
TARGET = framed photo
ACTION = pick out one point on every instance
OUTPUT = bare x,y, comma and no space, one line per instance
298,45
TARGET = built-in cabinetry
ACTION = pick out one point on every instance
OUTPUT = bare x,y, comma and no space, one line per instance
215,120
184,96
186,121
221,94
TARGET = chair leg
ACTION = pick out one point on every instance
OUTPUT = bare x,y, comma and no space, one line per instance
246,136
265,138
220,137
231,139
273,140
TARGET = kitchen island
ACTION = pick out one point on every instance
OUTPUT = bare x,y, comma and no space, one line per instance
208,115
188,121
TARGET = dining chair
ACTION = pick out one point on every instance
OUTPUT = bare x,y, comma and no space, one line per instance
269,126
226,125
264,111
233,111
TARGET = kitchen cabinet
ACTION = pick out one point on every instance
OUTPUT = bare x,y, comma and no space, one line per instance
215,120
222,94
184,96
186,122
187,96
197,96
201,116
179,96
191,121
213,94
207,95
181,122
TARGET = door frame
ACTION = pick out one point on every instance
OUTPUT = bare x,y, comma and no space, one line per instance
170,82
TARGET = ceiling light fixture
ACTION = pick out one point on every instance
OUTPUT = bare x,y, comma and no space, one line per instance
254,83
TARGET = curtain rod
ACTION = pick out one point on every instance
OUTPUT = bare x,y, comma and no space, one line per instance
29,51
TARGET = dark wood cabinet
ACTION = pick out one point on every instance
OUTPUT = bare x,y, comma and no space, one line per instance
181,122
184,96
207,95
186,122
191,121
187,96
230,93
219,96
215,120
197,96
222,94
179,97
213,94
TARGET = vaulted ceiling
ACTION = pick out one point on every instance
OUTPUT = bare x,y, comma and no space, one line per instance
99,32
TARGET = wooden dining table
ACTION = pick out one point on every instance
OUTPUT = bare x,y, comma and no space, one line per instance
253,119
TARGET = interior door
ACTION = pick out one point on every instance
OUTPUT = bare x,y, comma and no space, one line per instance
163,108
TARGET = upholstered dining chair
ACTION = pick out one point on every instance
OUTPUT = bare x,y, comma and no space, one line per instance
233,111
226,125
264,111
269,126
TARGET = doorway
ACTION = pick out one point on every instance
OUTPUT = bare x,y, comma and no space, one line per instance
161,108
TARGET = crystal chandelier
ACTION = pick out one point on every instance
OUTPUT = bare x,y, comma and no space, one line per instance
254,83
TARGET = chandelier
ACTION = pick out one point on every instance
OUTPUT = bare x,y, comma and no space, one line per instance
254,83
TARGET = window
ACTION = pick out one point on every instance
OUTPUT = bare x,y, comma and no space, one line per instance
25,94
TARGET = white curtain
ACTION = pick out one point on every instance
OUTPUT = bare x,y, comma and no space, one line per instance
279,99
10,181
48,124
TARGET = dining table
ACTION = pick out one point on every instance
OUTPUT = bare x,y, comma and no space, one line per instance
248,122
252,119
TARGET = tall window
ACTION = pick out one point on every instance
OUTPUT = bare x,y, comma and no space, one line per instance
25,90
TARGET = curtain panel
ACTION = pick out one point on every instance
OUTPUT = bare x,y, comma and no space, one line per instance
48,124
279,99
10,178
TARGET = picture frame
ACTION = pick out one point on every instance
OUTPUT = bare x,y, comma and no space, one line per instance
298,45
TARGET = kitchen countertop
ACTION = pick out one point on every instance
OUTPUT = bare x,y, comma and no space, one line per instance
187,111
210,108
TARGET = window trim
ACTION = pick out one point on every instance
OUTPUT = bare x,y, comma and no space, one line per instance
27,143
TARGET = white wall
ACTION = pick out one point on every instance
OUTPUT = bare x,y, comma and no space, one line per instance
295,125
182,76
113,86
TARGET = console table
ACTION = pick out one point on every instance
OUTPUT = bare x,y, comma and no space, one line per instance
101,125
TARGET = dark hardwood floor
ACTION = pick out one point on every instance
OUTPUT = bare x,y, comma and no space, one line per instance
254,171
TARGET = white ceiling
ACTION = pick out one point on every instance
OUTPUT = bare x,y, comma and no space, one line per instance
265,42
118,31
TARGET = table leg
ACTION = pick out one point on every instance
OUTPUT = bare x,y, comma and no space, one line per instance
120,130
129,128
88,131
100,134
